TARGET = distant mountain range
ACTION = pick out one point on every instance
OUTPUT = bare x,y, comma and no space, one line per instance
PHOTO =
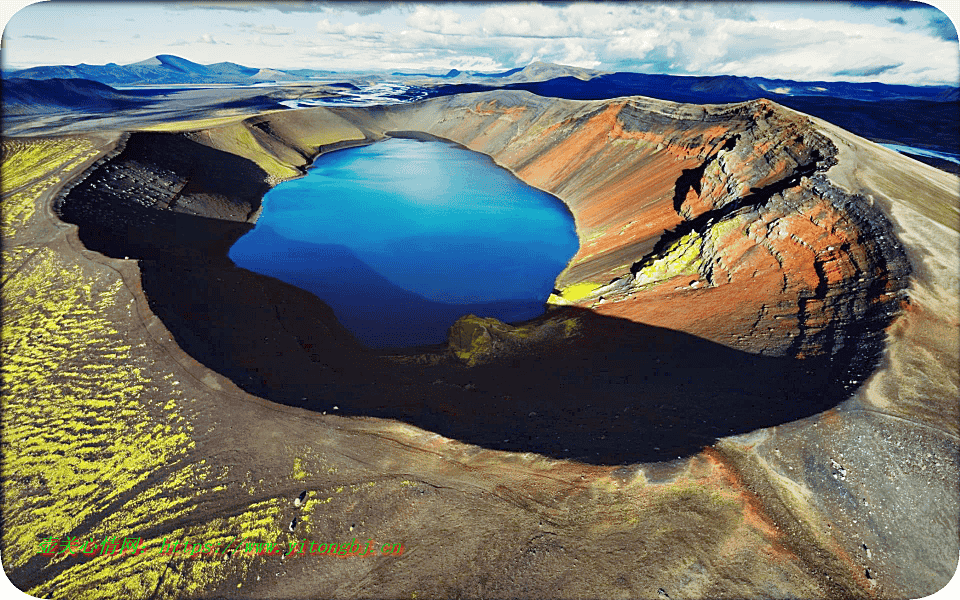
27,96
165,69
536,71
706,90
540,78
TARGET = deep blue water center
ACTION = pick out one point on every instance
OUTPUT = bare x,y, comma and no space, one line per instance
402,237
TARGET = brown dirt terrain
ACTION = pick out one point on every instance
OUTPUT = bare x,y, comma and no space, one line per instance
747,387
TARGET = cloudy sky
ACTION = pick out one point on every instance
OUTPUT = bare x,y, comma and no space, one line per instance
891,42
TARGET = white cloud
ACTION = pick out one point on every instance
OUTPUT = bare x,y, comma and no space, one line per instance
578,56
633,43
325,26
353,30
364,30
268,29
475,63
447,22
699,39
259,41
831,50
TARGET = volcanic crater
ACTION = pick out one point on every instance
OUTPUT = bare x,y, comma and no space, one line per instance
724,283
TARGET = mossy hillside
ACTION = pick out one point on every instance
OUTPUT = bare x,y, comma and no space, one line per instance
154,574
237,138
29,169
25,161
93,446
76,436
280,143
90,452
723,228
194,124
309,131
470,337
683,257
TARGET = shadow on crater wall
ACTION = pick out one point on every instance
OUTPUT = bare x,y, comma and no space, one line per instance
616,392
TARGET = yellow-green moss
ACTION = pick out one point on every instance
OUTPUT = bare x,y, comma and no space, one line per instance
34,161
683,257
298,473
137,576
555,299
26,161
74,439
578,290
470,337
194,124
720,230
237,139
92,447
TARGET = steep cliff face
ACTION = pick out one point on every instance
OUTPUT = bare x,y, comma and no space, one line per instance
697,391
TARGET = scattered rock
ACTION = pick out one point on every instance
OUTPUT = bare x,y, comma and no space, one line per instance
839,472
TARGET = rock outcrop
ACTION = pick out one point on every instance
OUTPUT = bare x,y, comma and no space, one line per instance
718,222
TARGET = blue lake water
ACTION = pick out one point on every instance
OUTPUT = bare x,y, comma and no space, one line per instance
403,237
